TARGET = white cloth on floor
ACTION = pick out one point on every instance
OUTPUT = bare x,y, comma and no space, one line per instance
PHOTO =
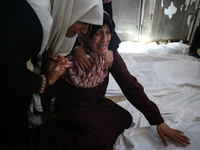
171,79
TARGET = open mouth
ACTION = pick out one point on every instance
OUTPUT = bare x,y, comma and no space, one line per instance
102,46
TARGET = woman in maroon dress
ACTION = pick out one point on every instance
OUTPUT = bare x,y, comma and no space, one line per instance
86,120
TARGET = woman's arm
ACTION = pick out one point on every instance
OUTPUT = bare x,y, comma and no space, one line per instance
134,91
135,94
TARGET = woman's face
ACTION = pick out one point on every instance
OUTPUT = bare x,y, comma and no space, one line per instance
77,28
100,40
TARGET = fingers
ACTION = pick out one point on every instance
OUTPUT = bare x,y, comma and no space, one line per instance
87,63
107,65
164,139
110,65
63,64
84,64
57,66
81,57
108,60
56,58
67,63
162,136
176,135
180,138
178,131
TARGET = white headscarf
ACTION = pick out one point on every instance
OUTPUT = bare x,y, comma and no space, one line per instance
67,12
64,13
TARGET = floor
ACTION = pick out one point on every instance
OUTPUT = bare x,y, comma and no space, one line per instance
171,79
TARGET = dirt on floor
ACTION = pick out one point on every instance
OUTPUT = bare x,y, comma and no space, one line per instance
117,99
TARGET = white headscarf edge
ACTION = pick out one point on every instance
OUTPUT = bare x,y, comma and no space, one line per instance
57,16
67,12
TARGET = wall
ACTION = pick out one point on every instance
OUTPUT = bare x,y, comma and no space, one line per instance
126,14
155,20
172,19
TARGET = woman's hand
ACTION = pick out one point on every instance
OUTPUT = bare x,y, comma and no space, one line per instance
108,60
79,55
176,135
56,68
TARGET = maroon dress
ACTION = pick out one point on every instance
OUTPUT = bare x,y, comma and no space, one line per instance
86,120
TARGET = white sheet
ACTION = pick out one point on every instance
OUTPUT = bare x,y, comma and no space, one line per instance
171,79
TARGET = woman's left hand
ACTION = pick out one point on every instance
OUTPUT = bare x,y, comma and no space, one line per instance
176,135
56,68
108,60
79,55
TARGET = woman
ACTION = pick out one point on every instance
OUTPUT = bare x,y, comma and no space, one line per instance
25,29
79,52
87,120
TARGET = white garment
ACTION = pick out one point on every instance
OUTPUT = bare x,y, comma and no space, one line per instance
59,15
67,12
64,13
